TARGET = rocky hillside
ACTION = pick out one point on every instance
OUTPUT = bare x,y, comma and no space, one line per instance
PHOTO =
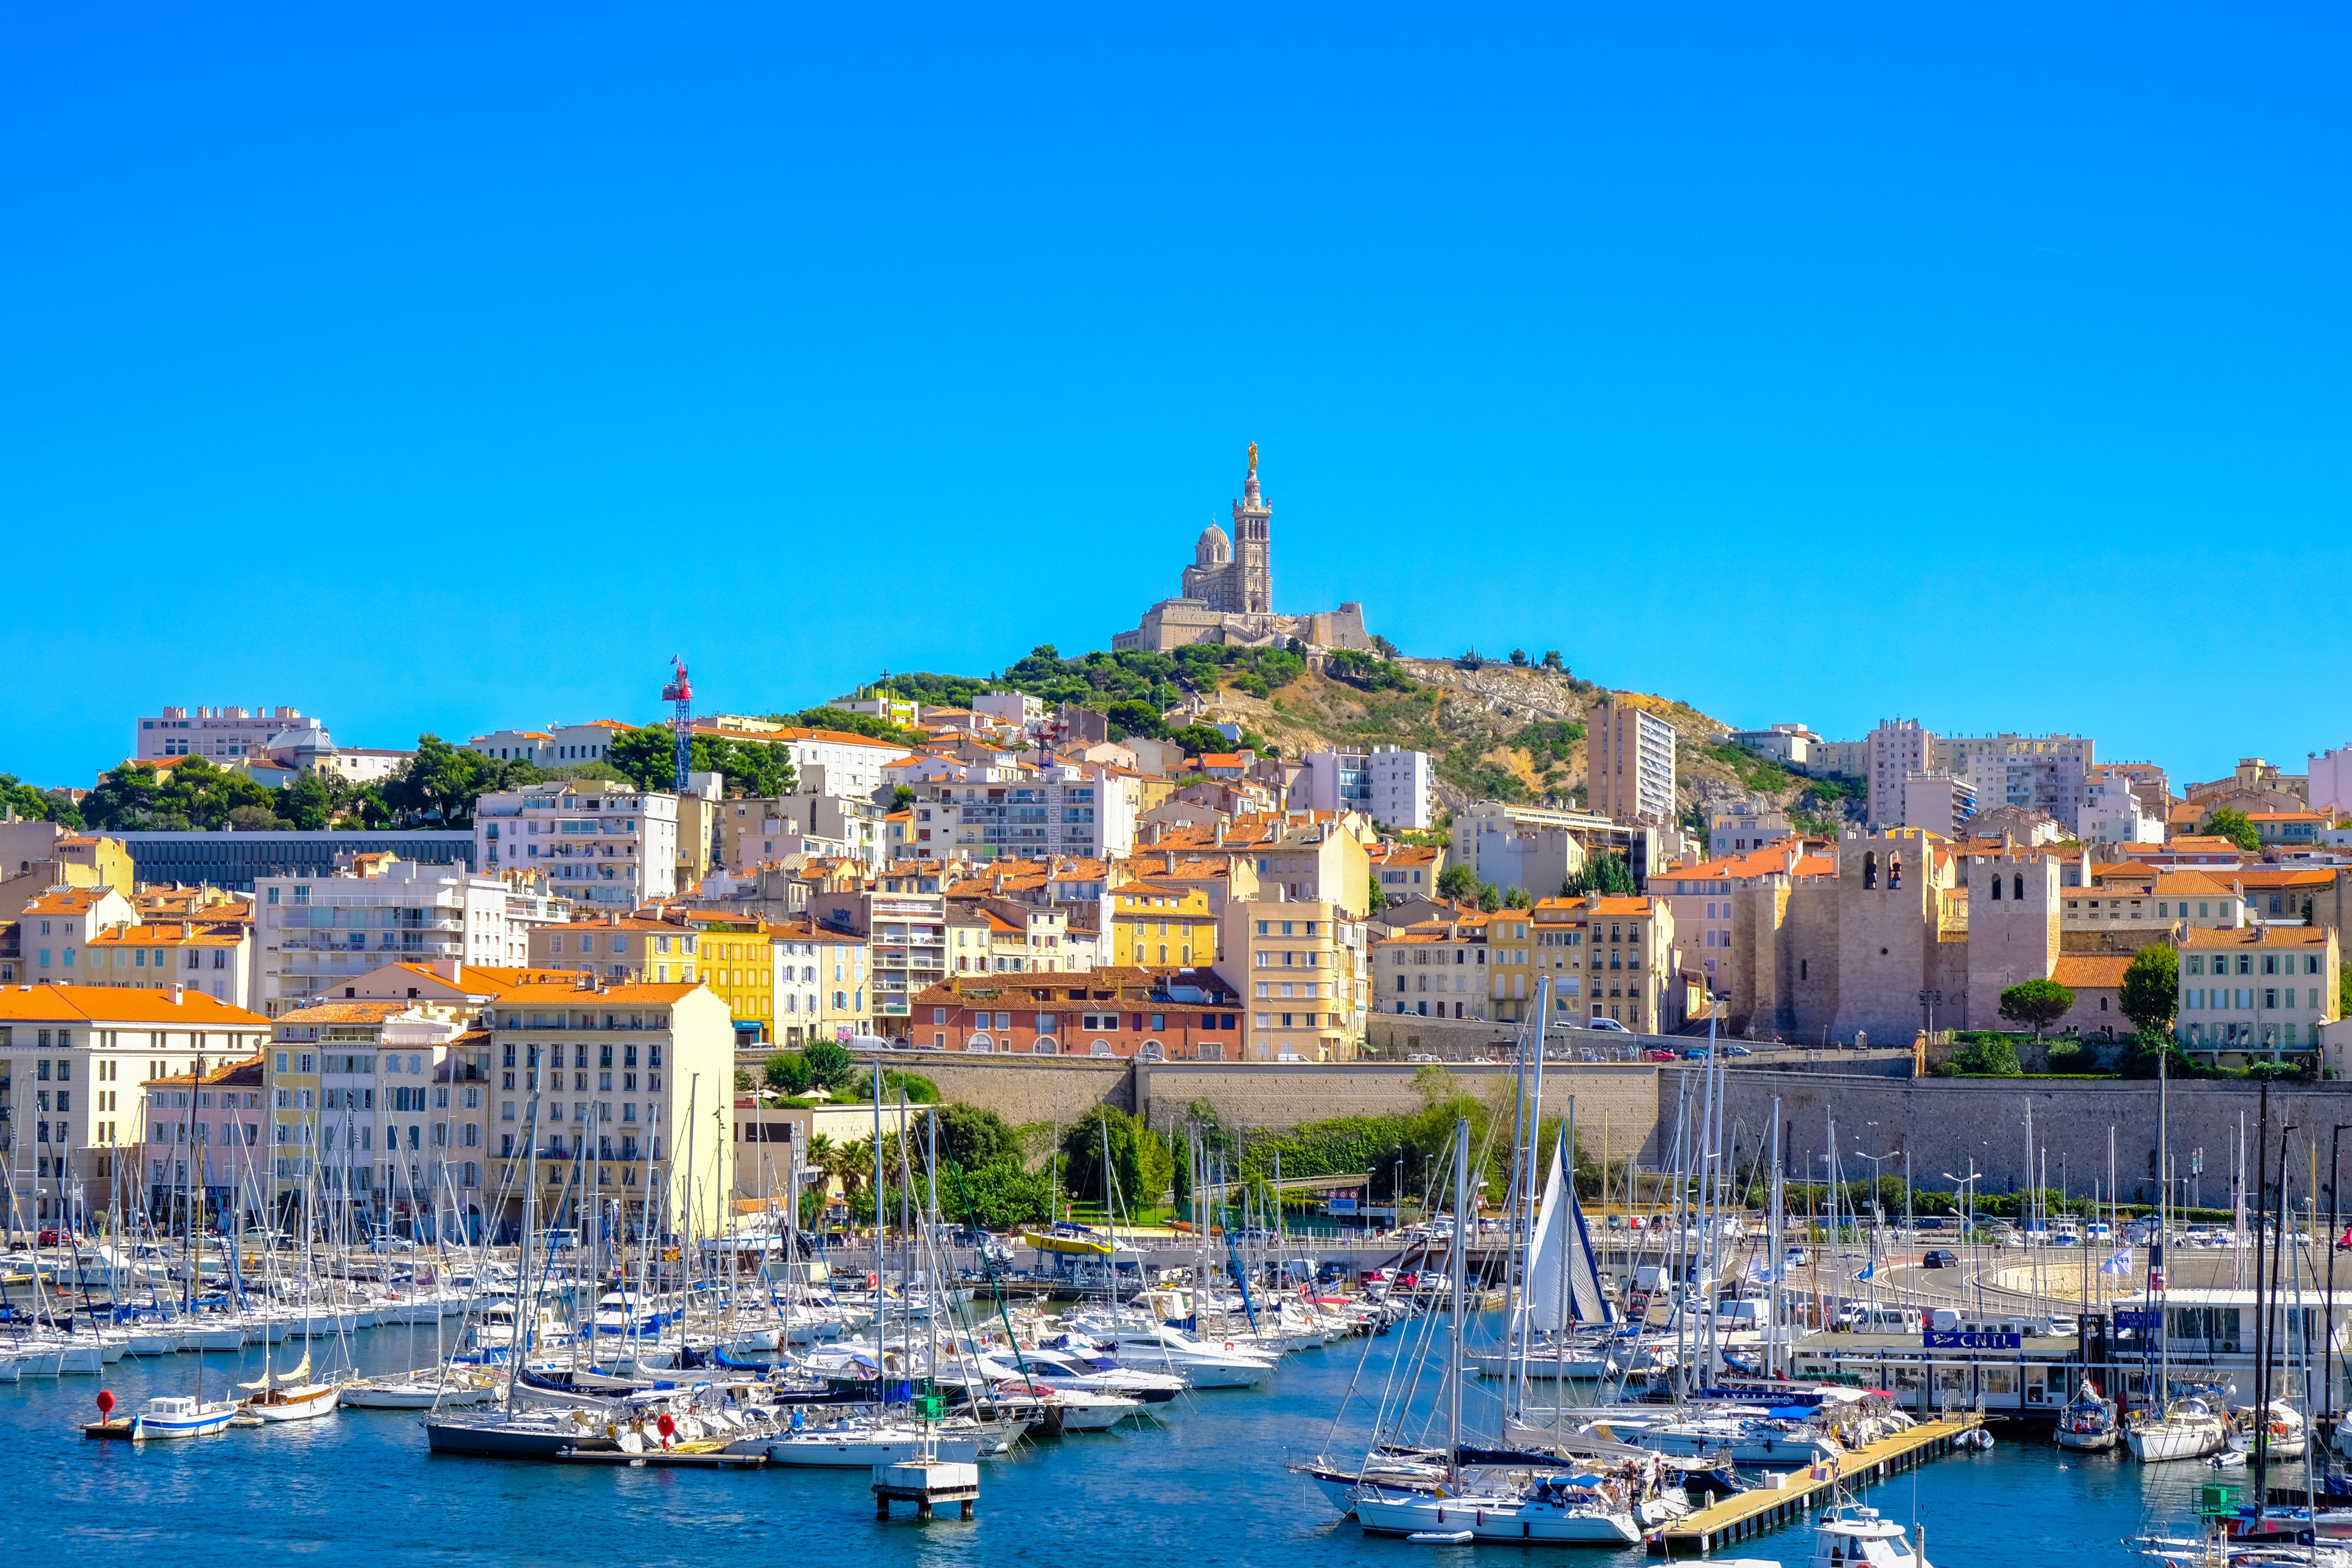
1499,731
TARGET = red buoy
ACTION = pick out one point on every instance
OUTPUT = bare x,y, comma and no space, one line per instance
105,1404
667,1424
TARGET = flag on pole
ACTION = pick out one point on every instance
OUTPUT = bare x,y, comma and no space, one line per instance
2119,1264
1868,1269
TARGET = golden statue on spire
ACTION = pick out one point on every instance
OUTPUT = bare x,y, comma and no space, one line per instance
1253,454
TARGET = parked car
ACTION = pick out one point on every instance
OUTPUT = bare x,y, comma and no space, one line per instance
1940,1258
58,1239
1660,1055
1696,1054
1795,1258
1420,1057
1738,1050
1608,1026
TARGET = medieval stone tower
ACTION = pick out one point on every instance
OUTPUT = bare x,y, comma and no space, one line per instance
2013,928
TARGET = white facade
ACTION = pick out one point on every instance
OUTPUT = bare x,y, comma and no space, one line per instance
1016,707
554,746
2113,812
313,933
2039,772
990,811
1745,825
602,846
1391,786
220,733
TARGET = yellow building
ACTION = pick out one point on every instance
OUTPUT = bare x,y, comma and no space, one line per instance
1510,965
1302,971
736,958
1156,926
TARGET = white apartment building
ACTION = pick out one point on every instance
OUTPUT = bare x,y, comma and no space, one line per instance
1007,809
1391,786
1937,802
2038,772
2331,779
314,934
2114,812
602,846
1630,762
1897,748
819,985
220,733
825,762
553,746
1015,708
1794,744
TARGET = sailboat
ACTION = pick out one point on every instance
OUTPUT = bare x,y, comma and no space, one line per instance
2089,1423
1572,1507
289,1396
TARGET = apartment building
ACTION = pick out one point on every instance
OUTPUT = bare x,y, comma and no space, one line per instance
906,937
55,931
1614,958
2037,772
1435,969
1404,870
1898,748
216,960
1500,841
1393,788
201,1133
2114,810
825,762
72,1060
2256,992
751,829
1119,1012
1002,809
1743,825
1003,936
1302,971
617,1086
377,1113
599,844
1630,762
223,734
1939,801
1157,925
820,986
555,746
632,948
316,934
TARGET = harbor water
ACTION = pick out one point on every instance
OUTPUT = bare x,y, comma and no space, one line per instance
1208,1487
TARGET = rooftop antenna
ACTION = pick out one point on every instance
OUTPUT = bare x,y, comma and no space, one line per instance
679,694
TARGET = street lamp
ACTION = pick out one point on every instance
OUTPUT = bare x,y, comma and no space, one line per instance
1967,1184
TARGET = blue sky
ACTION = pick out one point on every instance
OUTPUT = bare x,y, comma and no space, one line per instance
450,368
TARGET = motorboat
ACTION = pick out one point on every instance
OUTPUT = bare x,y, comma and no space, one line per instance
2288,1434
2189,1428
1581,1510
1201,1362
182,1415
1849,1534
862,1444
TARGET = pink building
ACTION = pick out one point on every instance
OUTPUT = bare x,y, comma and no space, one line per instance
206,1133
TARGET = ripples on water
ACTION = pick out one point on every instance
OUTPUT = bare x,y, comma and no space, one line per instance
358,1485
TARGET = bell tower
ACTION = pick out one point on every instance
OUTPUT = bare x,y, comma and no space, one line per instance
1254,545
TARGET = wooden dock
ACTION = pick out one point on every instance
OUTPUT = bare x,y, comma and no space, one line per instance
1796,1492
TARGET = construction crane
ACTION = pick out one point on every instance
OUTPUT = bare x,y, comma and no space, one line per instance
680,695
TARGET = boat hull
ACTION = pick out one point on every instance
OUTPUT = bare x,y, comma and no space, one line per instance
863,1452
1497,1519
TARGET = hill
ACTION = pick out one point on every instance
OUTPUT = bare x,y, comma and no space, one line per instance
1497,730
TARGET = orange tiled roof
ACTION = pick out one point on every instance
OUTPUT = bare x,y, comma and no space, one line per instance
2091,970
2257,936
112,1004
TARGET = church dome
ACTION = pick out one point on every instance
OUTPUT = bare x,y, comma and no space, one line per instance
1214,549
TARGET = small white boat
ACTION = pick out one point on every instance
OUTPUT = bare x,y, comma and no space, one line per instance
1555,1508
417,1391
180,1415
297,1402
1851,1533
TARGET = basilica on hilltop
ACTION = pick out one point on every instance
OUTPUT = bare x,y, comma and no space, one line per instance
1228,592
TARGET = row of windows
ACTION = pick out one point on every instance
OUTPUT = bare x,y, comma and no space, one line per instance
2273,964
2201,999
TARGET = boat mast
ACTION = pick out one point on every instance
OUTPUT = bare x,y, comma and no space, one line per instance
2265,1342
1459,1254
516,1348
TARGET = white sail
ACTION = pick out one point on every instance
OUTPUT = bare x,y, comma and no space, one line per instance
1562,1256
